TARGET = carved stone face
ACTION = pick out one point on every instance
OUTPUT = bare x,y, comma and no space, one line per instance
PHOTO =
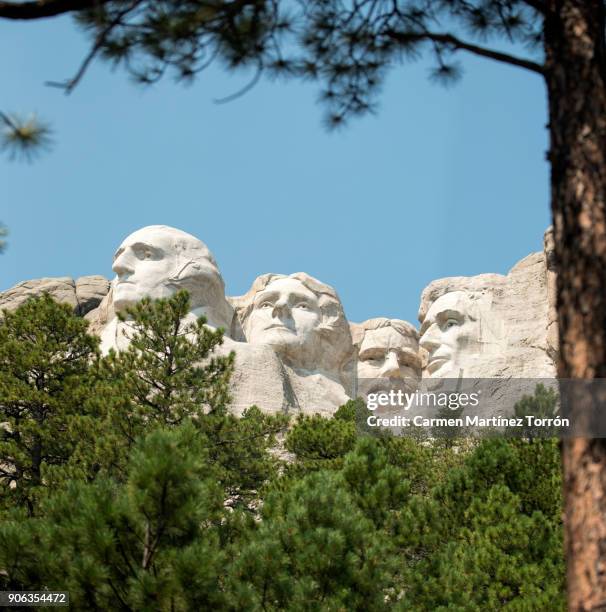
385,353
450,334
285,315
156,262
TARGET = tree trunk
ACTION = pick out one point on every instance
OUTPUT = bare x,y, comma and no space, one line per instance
575,71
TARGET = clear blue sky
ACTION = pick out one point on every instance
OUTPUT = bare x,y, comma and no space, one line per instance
441,182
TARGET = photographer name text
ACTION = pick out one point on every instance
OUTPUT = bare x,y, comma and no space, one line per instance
469,421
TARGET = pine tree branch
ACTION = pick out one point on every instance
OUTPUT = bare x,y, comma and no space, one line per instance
70,84
457,44
537,5
42,9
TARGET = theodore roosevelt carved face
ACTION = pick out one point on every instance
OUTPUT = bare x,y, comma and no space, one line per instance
388,351
388,355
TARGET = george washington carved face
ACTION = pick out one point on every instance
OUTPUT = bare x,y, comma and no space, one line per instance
157,261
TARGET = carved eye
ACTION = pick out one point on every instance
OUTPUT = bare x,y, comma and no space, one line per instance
303,306
374,356
266,305
142,253
450,323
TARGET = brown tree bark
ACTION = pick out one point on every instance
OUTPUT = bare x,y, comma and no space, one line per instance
575,72
41,9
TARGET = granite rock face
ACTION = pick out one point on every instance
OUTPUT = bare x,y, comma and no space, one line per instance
492,334
303,322
553,342
291,338
157,261
90,291
295,350
83,295
489,325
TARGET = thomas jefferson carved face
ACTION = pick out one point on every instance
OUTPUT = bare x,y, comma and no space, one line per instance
157,261
450,334
302,320
285,315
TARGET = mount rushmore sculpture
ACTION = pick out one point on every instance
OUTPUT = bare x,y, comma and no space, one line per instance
295,350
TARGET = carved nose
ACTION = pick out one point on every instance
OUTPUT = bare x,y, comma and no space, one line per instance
391,367
121,266
280,309
429,341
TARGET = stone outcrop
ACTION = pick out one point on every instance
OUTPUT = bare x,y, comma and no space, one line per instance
83,295
553,343
90,291
490,325
303,322
295,350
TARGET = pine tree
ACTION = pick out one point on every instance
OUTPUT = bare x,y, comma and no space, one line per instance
365,532
159,380
151,542
45,376
490,536
543,404
321,443
350,46
314,549
171,373
156,480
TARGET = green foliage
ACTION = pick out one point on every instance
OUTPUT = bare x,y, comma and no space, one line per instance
347,46
543,404
321,443
167,375
492,534
45,357
138,545
127,482
380,489
315,549
23,138
167,372
183,36
465,524
238,451
20,552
